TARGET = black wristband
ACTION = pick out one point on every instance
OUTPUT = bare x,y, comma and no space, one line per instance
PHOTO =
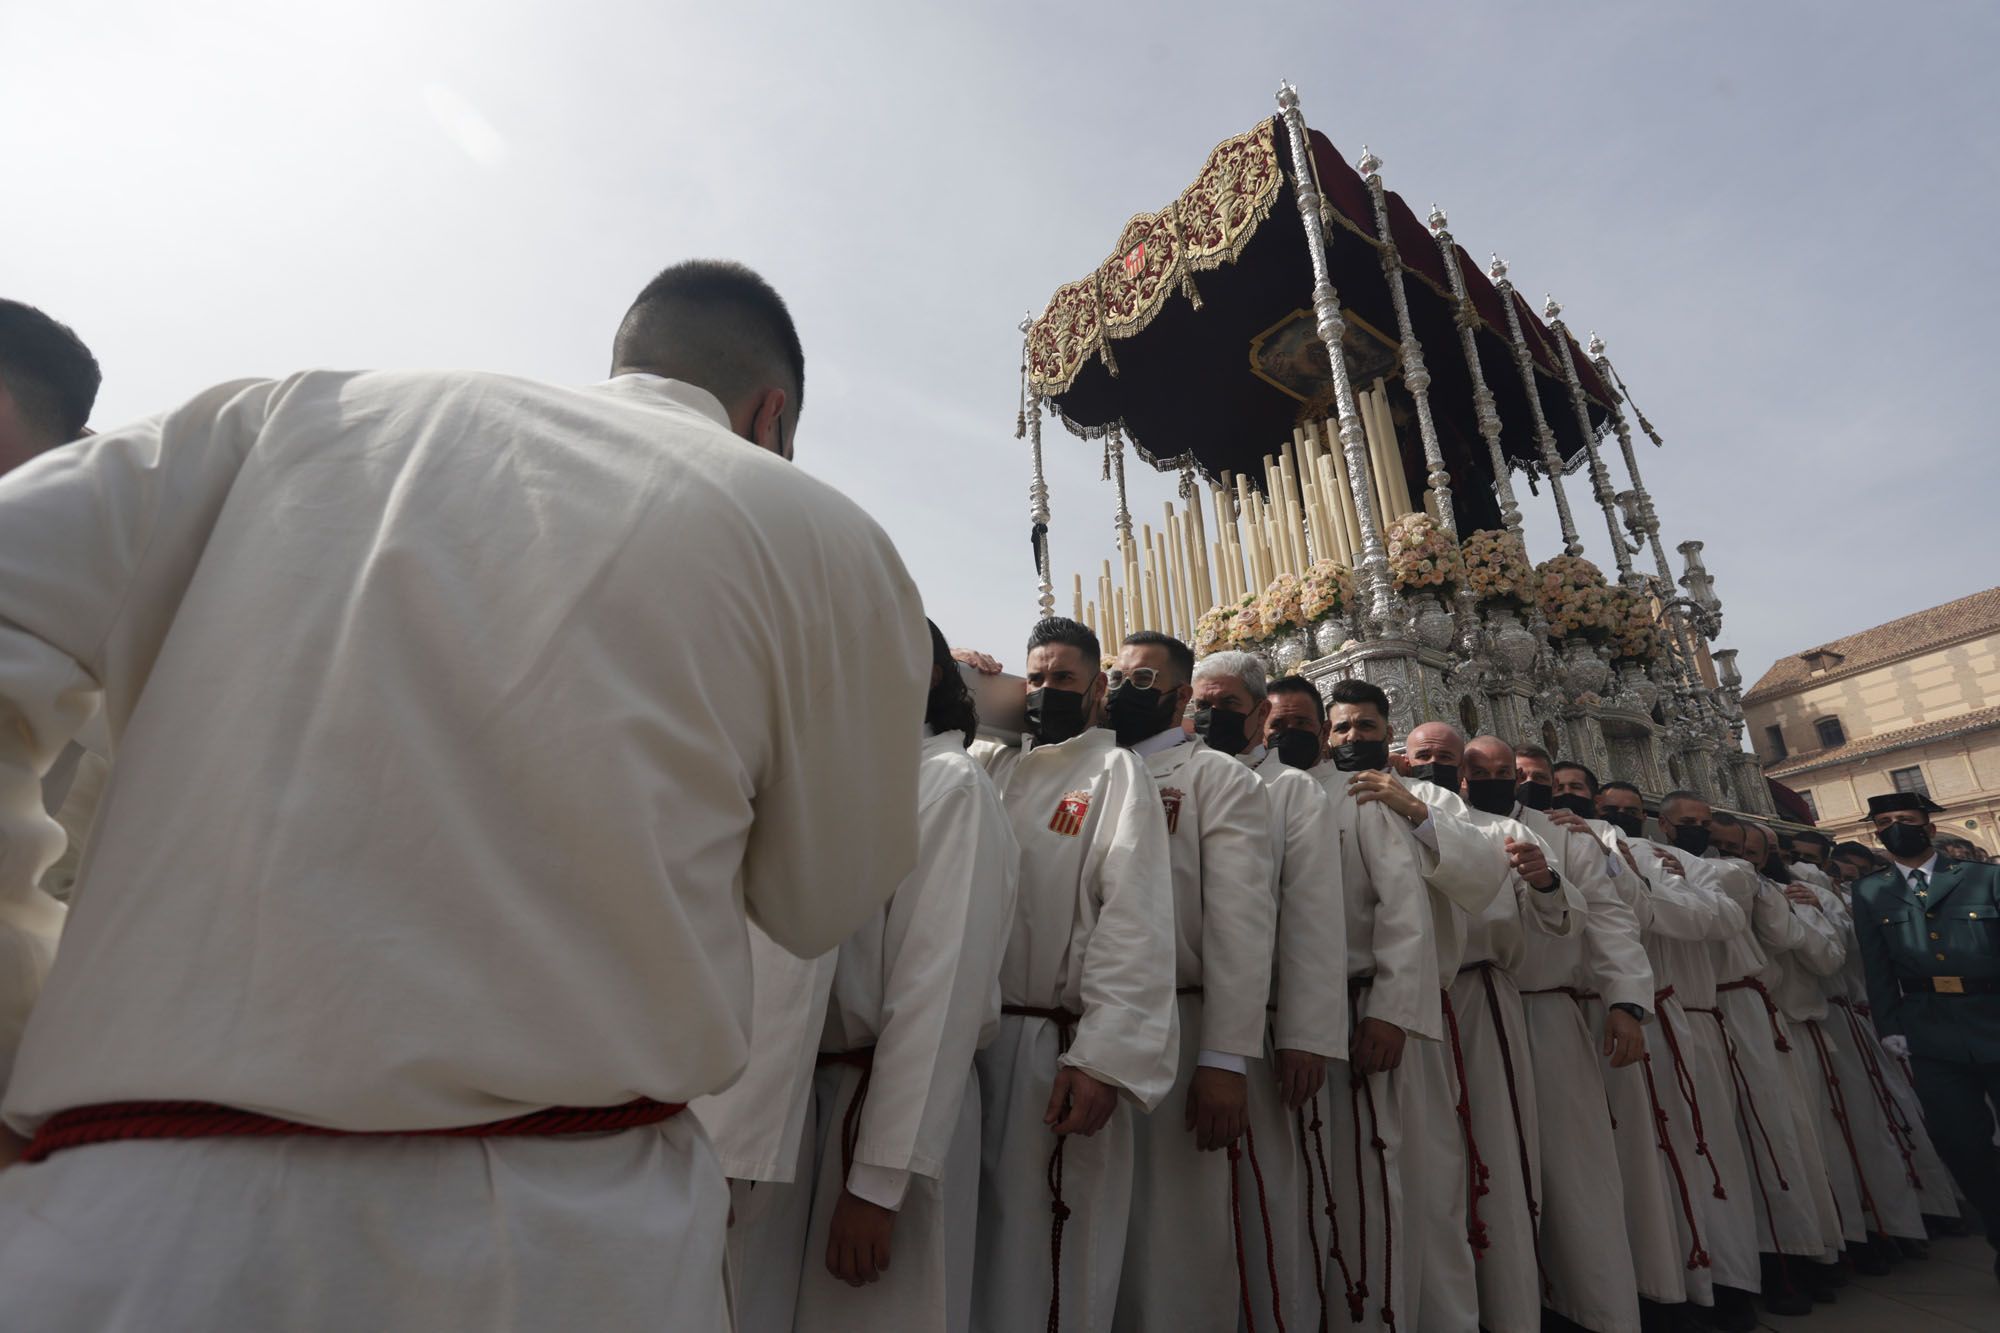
1638,1014
1555,882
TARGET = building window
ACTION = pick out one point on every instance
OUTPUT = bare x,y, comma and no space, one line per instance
1830,732
1909,779
1774,736
1812,806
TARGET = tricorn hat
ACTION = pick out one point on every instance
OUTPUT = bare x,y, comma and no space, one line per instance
1902,800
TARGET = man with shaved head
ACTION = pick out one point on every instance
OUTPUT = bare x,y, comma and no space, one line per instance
462,723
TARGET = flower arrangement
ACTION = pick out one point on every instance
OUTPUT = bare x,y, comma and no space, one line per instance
1635,637
1421,557
1278,606
1574,598
1215,630
1326,590
1246,625
1497,569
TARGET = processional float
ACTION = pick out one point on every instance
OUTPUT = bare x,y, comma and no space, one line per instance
1345,396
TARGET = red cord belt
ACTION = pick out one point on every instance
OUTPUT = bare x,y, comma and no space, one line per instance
110,1122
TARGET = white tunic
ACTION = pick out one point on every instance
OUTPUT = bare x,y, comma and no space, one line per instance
1586,1257
1093,934
1309,1014
433,802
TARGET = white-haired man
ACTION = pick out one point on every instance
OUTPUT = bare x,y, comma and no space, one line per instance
1308,1019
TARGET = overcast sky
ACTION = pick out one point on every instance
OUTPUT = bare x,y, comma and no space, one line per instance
1780,216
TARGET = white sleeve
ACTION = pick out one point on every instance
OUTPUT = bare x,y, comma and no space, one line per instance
1239,915
1468,867
946,929
1128,1032
1406,988
98,543
1312,926
1614,956
834,824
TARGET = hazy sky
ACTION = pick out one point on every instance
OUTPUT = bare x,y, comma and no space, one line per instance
1778,215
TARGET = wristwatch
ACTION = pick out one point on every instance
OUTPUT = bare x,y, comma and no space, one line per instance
1555,881
1638,1014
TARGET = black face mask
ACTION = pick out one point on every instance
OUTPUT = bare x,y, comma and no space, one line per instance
1297,749
1631,823
1222,729
1493,795
1905,841
1441,775
1054,716
1356,756
1775,868
1535,795
1136,714
1692,839
1580,806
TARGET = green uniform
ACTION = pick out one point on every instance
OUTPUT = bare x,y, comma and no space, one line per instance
1931,947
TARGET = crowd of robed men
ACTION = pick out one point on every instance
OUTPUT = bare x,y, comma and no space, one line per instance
461,721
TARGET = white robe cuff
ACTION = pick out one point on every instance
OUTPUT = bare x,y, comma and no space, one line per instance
1235,1064
882,1186
1426,833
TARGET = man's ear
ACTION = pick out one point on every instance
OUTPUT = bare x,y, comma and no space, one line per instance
767,423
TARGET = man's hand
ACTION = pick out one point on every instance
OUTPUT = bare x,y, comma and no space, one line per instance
1371,785
1568,819
1624,1039
1378,1046
978,661
1897,1045
1803,896
1626,852
857,1242
1301,1075
1530,864
1218,1107
1673,864
1079,1104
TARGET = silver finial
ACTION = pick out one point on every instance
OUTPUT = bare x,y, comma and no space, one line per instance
1369,163
1497,270
1550,310
1438,220
1027,322
1288,96
1596,347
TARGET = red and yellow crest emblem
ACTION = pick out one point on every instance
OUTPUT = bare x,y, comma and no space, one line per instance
1070,812
1171,798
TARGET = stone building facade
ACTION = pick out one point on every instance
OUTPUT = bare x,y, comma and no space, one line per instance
1910,705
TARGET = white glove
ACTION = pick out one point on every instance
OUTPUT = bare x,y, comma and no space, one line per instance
1897,1045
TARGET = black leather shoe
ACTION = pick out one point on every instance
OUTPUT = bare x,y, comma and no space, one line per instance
1867,1261
1833,1274
1944,1226
1734,1311
1817,1280
1913,1249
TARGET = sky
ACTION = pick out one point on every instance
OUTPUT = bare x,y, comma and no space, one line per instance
1777,215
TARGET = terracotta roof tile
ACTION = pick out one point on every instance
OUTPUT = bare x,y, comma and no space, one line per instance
1978,720
1966,618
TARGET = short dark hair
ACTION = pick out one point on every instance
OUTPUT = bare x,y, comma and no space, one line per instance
950,706
1723,819
1536,752
1855,851
1299,685
1589,778
48,370
1354,691
1615,785
714,323
1815,836
1061,629
1682,794
1178,653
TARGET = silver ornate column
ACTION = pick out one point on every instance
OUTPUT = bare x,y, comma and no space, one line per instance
1524,362
1030,420
1382,608
1483,408
1645,521
1416,375
1600,480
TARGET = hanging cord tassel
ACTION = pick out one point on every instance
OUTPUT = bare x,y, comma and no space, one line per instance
1388,1215
1685,1081
1520,1133
1355,1086
1476,1170
1743,1096
1838,1102
1264,1212
1333,1250
1697,1256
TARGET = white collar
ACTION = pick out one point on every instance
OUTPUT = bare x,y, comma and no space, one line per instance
644,384
1929,868
1161,743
